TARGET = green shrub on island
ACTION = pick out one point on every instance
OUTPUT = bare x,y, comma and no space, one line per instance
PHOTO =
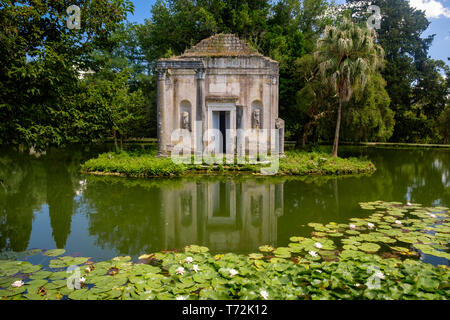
134,164
377,257
145,164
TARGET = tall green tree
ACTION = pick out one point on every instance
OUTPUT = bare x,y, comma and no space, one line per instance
41,59
414,81
347,54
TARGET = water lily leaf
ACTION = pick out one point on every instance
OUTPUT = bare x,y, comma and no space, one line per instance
9,272
347,254
59,275
145,268
41,275
121,259
32,252
30,268
57,264
266,248
34,296
7,281
148,295
369,247
255,256
407,239
319,234
57,284
114,293
214,294
33,285
428,283
350,247
145,256
196,249
69,261
400,249
12,291
282,252
200,278
81,294
54,252
335,234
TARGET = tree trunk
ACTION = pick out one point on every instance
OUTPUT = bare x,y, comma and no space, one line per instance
308,127
306,130
334,154
115,140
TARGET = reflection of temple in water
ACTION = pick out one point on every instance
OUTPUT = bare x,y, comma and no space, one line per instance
223,216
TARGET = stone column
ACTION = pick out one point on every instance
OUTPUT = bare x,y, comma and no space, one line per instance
200,115
240,137
161,114
279,124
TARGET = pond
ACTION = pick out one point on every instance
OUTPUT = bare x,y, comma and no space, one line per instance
45,202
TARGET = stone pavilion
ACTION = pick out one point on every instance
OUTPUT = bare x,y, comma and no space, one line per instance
221,83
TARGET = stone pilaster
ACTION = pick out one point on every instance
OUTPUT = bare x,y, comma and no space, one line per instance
200,114
279,125
161,114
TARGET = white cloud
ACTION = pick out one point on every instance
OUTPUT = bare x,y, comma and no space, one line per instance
432,8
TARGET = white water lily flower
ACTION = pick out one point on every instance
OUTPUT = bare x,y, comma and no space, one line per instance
318,245
189,260
433,215
180,270
17,284
181,298
233,272
357,284
195,267
379,275
398,222
352,226
313,253
370,225
264,294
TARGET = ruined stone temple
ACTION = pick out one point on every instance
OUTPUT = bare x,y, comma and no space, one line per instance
220,83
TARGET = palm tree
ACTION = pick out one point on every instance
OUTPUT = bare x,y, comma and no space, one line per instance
346,56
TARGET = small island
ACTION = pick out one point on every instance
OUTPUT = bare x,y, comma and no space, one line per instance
146,164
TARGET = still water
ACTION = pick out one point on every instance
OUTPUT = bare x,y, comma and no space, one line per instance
47,203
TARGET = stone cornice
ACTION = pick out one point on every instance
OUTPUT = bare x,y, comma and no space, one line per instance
179,64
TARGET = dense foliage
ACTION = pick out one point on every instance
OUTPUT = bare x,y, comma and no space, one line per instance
376,257
61,86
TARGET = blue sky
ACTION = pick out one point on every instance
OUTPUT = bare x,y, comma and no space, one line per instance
437,11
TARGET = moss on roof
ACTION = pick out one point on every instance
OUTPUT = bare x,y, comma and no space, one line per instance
220,45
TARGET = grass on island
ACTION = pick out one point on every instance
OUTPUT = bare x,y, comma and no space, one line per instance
144,163
377,258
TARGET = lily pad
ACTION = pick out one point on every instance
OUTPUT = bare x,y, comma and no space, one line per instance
54,252
369,247
266,248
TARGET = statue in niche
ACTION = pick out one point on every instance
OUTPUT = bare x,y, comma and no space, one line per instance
279,123
256,123
185,121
